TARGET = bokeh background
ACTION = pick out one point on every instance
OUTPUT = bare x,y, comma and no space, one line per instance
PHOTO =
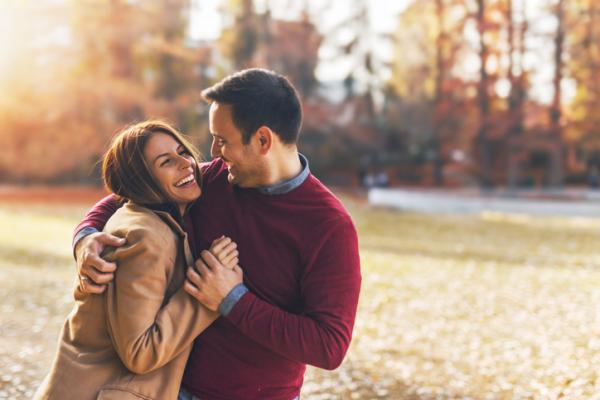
463,136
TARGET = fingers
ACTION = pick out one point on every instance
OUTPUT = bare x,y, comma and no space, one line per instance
201,268
208,259
238,271
230,262
96,277
194,277
98,270
101,265
225,251
191,289
220,243
87,286
95,243
227,259
110,240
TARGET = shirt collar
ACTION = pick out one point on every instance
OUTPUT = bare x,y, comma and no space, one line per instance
290,184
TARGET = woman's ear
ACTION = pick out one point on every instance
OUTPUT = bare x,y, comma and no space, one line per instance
264,137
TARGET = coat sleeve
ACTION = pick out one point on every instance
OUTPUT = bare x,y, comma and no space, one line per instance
145,332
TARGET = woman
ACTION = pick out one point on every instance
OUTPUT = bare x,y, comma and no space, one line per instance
133,341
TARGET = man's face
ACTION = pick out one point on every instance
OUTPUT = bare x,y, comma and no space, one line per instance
244,162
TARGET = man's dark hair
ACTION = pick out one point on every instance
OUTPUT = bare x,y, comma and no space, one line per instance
260,98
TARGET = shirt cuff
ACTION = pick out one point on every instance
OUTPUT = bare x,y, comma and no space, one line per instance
83,232
232,298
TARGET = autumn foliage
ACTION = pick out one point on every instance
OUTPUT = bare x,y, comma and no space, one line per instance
455,99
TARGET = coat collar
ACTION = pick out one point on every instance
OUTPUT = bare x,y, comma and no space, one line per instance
171,216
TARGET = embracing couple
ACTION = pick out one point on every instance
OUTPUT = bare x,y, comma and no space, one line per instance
163,309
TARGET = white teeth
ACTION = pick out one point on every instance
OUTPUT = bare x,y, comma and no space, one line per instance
185,180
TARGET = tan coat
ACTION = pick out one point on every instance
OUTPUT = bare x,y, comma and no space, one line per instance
133,341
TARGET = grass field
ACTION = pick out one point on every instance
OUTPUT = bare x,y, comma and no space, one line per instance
481,307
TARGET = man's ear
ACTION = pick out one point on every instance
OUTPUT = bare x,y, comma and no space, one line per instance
264,137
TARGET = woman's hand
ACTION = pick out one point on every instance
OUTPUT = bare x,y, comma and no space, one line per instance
209,281
225,250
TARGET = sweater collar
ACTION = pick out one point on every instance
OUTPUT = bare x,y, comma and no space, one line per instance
289,184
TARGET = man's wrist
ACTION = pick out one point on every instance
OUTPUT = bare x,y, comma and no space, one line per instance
83,232
232,298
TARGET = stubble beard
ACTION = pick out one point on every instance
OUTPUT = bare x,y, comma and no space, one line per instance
249,178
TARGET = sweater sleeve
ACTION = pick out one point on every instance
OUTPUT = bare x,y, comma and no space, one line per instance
145,332
98,215
330,287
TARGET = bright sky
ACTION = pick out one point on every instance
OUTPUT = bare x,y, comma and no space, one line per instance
383,15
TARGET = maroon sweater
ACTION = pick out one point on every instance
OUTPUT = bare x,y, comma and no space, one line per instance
299,253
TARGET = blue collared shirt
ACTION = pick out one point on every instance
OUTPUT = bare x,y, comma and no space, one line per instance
290,184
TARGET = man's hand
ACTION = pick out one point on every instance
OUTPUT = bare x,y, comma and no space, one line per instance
211,281
95,273
225,250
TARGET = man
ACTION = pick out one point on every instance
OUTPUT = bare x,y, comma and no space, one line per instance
297,244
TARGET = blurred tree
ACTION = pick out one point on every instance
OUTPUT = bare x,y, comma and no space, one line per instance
117,78
517,31
279,50
254,39
583,67
426,77
517,77
556,172
91,68
174,68
83,69
354,38
436,48
240,39
37,104
440,99
484,143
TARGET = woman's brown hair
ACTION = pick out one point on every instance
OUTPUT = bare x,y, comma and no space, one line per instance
124,169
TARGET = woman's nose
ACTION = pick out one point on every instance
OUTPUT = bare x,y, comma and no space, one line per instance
184,162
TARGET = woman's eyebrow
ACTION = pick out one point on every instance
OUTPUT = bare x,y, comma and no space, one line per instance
160,155
166,154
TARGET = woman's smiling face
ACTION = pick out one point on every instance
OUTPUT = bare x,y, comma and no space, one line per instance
173,167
